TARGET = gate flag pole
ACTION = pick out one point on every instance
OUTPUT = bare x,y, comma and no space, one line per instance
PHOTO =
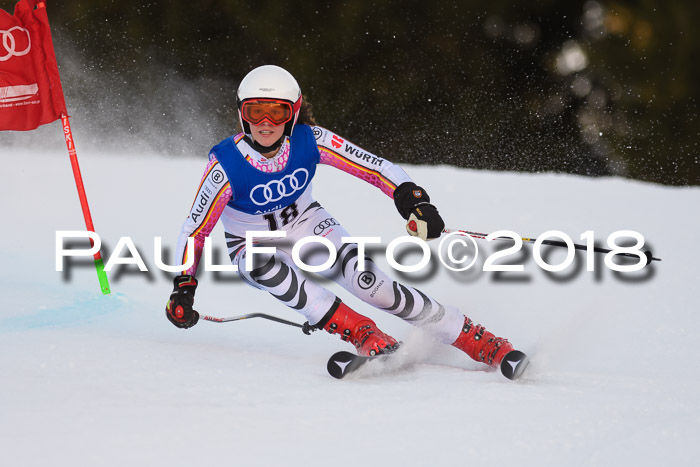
99,264
31,93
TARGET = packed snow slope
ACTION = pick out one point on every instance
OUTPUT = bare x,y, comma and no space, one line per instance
108,381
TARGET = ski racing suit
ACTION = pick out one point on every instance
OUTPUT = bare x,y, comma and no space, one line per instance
249,192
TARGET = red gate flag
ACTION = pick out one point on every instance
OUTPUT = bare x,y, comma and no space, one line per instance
30,86
31,92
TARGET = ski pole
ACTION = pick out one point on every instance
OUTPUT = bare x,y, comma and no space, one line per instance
304,327
412,225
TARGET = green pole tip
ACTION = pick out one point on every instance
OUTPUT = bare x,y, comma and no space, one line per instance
102,277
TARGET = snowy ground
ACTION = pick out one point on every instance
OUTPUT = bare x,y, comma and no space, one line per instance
106,380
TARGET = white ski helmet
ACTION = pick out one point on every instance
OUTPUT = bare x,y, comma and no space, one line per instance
269,82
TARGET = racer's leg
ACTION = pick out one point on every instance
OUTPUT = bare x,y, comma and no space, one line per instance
373,286
277,274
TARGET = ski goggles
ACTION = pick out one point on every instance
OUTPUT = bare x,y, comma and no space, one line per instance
277,112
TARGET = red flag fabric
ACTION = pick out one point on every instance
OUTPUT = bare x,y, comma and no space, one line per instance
30,86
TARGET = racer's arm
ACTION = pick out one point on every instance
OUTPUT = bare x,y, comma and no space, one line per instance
342,154
213,194
412,201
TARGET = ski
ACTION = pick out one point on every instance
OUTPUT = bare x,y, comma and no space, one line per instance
343,363
513,364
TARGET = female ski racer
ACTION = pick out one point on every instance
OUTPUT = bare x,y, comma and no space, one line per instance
260,180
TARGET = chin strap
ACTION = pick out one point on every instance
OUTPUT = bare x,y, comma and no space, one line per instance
264,149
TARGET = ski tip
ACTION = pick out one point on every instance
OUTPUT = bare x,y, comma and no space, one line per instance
513,364
338,364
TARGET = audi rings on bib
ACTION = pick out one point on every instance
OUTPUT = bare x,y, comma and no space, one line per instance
275,190
324,224
9,44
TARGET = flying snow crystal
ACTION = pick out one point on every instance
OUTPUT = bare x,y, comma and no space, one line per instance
525,34
572,58
581,86
494,27
594,18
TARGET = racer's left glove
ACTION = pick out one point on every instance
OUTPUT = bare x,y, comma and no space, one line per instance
413,203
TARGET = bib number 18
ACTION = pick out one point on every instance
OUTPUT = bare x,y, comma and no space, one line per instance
286,215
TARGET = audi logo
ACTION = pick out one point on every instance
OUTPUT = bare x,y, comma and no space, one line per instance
9,43
323,225
275,190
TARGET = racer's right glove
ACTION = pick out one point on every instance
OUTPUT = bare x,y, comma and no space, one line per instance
179,307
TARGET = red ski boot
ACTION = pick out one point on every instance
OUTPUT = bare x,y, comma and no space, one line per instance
360,331
482,345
